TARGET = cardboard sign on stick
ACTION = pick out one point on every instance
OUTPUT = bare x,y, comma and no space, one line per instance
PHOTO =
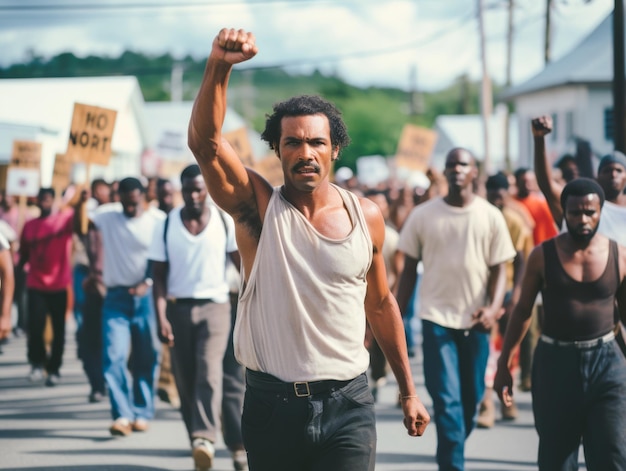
26,154
239,141
91,134
171,169
415,147
3,176
22,181
271,169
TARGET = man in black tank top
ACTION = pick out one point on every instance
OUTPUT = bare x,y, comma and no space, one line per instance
579,371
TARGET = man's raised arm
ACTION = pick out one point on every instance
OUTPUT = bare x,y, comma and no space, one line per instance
549,187
226,177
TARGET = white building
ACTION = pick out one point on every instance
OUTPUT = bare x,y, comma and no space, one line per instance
576,90
42,109
167,124
467,131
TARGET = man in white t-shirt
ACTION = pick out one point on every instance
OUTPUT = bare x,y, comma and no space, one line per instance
464,244
128,319
189,253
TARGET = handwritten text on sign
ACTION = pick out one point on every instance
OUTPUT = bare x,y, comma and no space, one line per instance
26,154
91,134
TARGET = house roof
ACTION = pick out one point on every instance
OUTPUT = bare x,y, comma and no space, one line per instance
467,131
167,124
48,103
591,61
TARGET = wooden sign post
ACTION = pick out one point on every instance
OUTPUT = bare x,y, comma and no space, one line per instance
90,139
62,173
23,175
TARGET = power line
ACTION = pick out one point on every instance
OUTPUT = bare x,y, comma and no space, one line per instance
75,7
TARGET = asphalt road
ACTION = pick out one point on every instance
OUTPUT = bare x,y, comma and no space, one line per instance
43,428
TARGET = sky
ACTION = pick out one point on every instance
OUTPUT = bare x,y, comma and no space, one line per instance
407,44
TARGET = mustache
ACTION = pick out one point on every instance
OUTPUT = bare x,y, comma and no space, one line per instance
301,165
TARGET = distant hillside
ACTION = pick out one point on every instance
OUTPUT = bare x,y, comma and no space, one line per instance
374,116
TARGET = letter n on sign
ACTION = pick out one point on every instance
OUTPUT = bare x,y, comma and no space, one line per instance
91,134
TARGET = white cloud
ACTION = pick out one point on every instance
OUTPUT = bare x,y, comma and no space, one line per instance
439,38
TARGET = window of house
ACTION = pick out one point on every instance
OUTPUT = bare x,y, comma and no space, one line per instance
555,127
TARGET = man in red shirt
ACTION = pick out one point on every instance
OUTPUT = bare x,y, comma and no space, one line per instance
46,245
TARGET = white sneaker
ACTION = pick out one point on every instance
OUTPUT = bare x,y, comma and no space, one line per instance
203,453
36,374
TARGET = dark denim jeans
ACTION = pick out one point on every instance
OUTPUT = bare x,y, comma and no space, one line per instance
129,322
580,393
79,273
334,430
454,372
90,341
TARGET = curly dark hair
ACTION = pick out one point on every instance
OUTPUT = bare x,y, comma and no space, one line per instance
304,105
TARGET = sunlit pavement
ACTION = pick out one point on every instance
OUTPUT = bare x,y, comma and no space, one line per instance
56,428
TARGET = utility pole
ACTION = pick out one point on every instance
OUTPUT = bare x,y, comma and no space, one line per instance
619,129
486,104
509,73
176,83
416,104
548,32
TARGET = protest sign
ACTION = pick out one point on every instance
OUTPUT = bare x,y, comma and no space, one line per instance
23,174
239,141
62,173
415,147
91,133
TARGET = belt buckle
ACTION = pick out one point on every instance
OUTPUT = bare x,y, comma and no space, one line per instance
301,389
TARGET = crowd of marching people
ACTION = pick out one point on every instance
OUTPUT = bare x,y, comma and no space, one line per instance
134,264
272,315
150,271
159,260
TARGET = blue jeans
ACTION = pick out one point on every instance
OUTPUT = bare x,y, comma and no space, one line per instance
454,372
580,393
409,315
334,430
129,322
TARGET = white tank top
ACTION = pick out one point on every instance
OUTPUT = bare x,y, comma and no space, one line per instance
301,314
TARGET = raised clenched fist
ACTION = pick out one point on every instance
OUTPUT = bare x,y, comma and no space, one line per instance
541,126
234,46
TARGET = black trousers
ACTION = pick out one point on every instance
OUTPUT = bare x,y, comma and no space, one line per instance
40,304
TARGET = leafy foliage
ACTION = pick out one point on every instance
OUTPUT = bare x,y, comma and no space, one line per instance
374,116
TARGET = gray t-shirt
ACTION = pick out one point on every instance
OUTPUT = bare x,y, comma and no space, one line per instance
125,243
